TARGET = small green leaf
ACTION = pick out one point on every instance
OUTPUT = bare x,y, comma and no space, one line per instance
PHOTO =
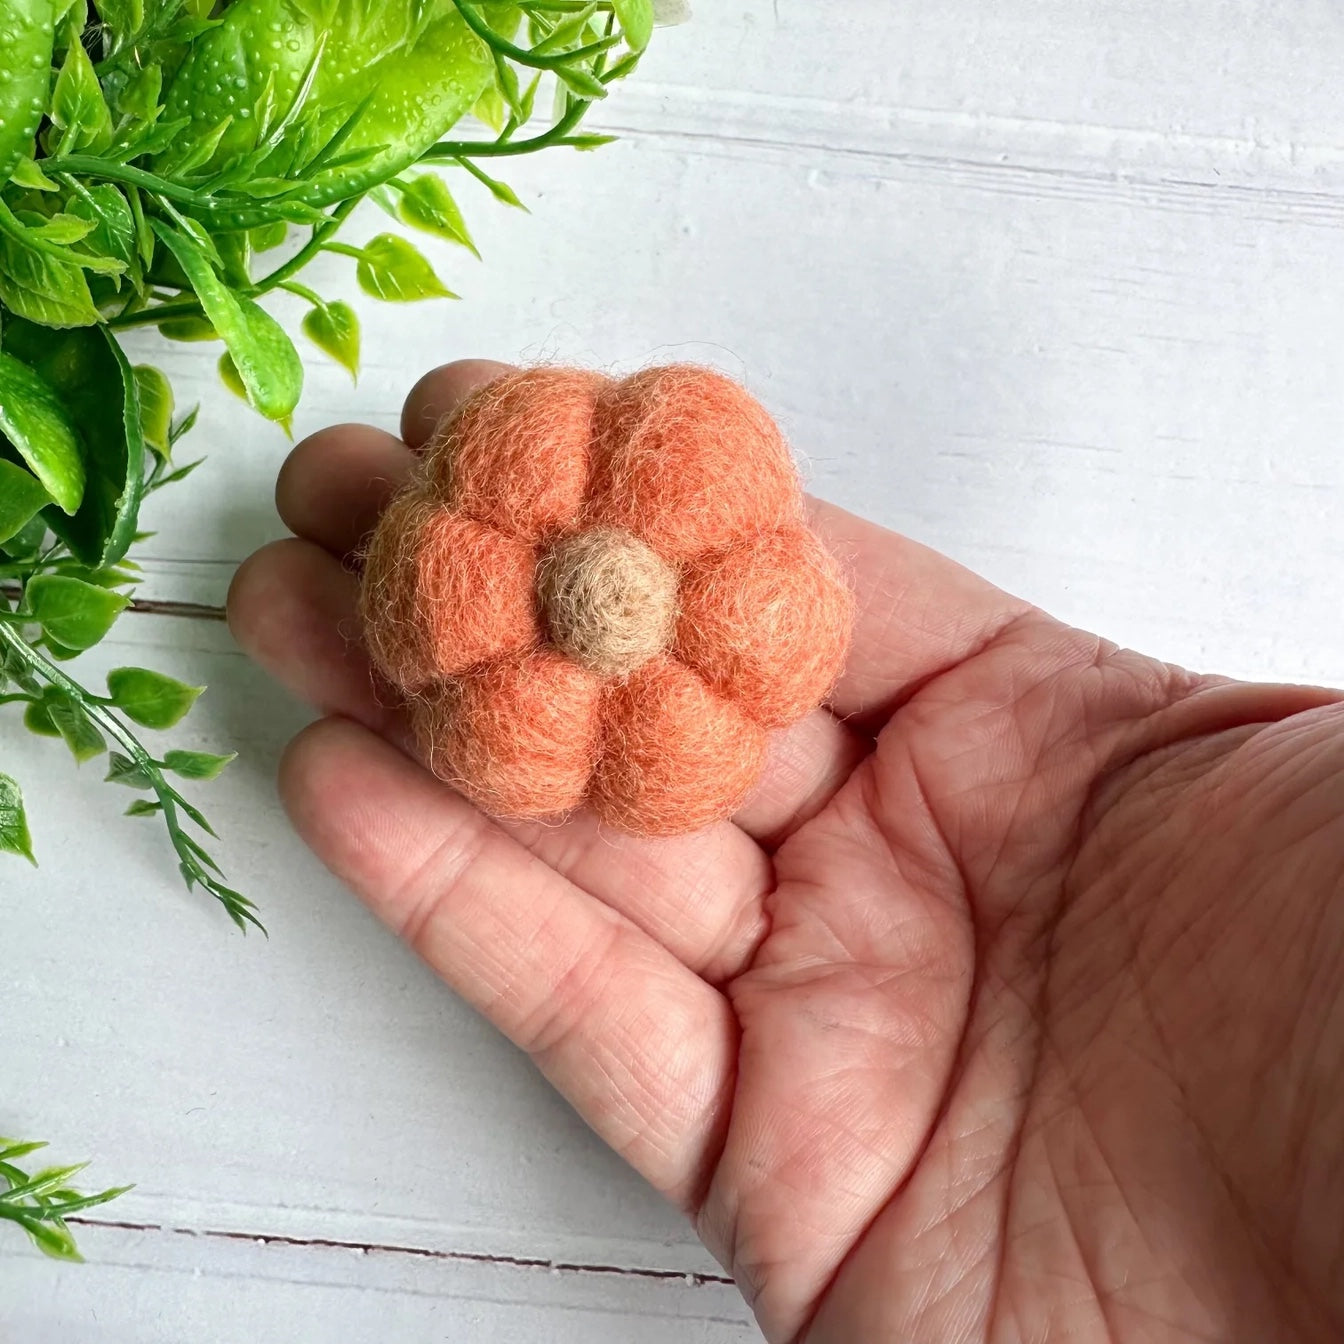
21,496
265,357
37,720
14,835
394,270
142,807
92,378
73,724
124,18
269,236
76,615
230,377
141,93
29,175
43,289
426,203
188,329
51,1238
111,224
636,20
61,229
501,191
123,770
150,698
156,408
581,81
334,328
34,420
198,764
78,109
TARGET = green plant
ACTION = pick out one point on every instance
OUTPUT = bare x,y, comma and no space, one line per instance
151,151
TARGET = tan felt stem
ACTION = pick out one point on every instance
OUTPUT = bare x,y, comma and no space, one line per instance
610,601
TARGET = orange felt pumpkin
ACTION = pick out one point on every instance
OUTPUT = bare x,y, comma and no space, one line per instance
605,592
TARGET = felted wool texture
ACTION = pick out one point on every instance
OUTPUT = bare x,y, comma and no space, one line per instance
519,737
442,593
605,592
677,757
767,623
516,455
608,600
689,461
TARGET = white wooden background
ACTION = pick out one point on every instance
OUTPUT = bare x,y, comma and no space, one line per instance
1054,285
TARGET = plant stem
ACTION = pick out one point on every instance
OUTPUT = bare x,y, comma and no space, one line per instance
171,803
151,317
321,235
303,292
107,171
521,55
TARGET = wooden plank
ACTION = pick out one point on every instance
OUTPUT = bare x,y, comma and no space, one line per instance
321,1082
995,300
1048,286
163,1288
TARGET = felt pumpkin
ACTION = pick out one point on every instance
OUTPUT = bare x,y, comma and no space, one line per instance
605,592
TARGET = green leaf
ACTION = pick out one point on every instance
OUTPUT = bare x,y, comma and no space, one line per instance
25,78
334,328
14,835
95,383
155,393
150,698
43,289
384,80
78,109
27,174
53,1239
426,203
124,19
73,723
230,377
61,229
21,496
111,223
197,764
122,770
501,191
269,236
76,615
394,270
189,329
51,237
37,720
142,807
140,95
267,362
636,20
581,81
37,424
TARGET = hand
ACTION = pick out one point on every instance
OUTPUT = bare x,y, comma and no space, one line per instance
1010,1008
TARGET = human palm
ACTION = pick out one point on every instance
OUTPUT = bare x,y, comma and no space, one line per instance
1010,1008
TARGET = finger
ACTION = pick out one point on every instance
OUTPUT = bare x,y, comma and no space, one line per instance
334,486
919,613
292,608
442,391
805,769
641,1046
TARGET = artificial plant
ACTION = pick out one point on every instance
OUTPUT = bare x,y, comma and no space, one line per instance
169,164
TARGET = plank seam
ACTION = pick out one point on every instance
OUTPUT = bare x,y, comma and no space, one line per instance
414,1252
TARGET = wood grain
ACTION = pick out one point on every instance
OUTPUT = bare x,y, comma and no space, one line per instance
1050,286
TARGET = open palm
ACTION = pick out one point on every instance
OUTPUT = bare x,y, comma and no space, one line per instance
1010,1008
